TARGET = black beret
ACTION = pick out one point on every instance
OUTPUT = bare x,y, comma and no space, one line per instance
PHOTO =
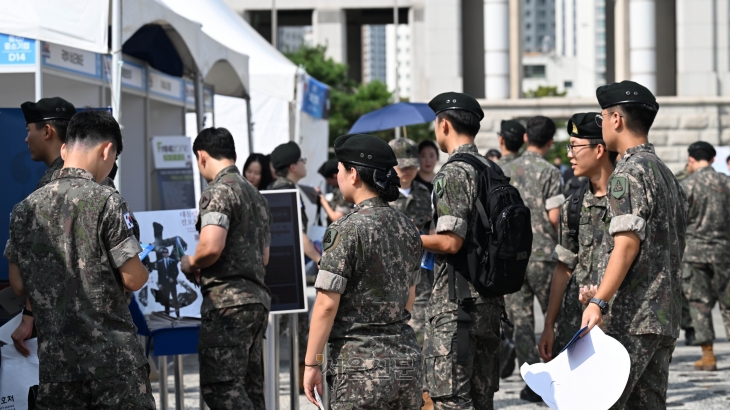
45,109
365,150
701,146
512,128
329,168
623,93
285,155
456,101
583,125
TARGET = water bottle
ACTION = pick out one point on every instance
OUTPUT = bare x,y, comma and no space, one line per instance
427,260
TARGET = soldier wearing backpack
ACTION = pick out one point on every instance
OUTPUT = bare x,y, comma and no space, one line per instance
583,225
461,350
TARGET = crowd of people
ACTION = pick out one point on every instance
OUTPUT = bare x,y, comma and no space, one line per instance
627,246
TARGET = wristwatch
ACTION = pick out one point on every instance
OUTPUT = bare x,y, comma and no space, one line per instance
601,304
27,312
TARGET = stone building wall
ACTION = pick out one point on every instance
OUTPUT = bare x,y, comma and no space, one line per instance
680,122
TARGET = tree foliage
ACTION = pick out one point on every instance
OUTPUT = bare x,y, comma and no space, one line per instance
544,91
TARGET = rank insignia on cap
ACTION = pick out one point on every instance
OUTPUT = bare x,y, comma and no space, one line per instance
618,187
204,201
438,187
575,129
331,239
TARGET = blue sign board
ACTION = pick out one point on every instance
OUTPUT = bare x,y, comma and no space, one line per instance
16,50
316,98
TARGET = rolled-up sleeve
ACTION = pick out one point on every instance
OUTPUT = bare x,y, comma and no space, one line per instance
565,256
330,282
416,277
448,223
628,223
128,249
554,202
215,218
10,252
453,203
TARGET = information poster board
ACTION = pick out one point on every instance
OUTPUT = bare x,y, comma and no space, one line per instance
285,271
167,290
174,167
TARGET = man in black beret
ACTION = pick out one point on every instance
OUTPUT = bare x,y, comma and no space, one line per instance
647,208
511,138
457,122
333,203
706,262
577,253
46,122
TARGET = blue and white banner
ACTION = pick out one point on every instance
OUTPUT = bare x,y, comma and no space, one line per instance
16,50
316,98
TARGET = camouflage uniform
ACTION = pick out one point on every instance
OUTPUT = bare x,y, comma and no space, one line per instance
452,385
48,175
541,188
372,258
417,206
236,301
303,317
644,315
584,258
506,159
706,263
338,203
686,322
68,238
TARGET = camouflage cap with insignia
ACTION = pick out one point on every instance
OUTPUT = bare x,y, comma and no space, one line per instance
406,151
583,125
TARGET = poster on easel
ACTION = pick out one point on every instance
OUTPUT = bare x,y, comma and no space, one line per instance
167,236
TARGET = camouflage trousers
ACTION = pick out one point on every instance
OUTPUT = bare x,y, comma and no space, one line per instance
379,388
647,385
521,311
704,284
423,294
126,391
231,358
464,386
570,316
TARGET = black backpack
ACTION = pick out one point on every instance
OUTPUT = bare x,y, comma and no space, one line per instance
497,246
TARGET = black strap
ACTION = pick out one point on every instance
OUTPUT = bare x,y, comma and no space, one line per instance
464,301
574,207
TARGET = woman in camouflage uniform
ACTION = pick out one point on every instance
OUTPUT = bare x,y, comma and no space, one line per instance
366,288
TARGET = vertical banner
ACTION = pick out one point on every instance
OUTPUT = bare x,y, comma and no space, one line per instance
174,168
171,234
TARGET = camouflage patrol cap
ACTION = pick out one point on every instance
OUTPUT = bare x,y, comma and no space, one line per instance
55,108
701,146
583,125
285,155
625,92
406,150
329,168
365,150
456,101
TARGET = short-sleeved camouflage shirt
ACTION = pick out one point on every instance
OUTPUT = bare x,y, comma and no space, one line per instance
48,175
284,183
237,277
416,206
584,256
506,159
338,202
708,222
454,193
68,238
541,188
371,257
645,198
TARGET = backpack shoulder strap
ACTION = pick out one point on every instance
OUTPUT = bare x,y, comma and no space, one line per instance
574,207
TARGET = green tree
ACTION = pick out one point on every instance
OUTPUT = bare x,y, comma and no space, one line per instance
544,91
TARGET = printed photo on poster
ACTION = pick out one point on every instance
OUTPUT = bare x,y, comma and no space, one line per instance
165,237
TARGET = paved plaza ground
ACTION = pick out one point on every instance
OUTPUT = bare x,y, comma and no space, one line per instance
688,389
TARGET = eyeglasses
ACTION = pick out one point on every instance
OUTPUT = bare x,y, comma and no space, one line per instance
599,118
570,147
304,160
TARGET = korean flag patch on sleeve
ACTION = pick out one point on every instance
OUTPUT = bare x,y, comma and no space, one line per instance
128,220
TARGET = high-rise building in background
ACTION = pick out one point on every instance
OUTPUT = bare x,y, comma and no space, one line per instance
373,53
292,38
398,51
539,25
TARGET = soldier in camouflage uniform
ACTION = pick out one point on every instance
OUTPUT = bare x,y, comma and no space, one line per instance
579,255
414,201
458,382
686,322
235,232
72,251
541,187
706,262
366,286
642,280
336,207
511,138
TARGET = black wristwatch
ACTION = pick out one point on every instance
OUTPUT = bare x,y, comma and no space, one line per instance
601,304
27,312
